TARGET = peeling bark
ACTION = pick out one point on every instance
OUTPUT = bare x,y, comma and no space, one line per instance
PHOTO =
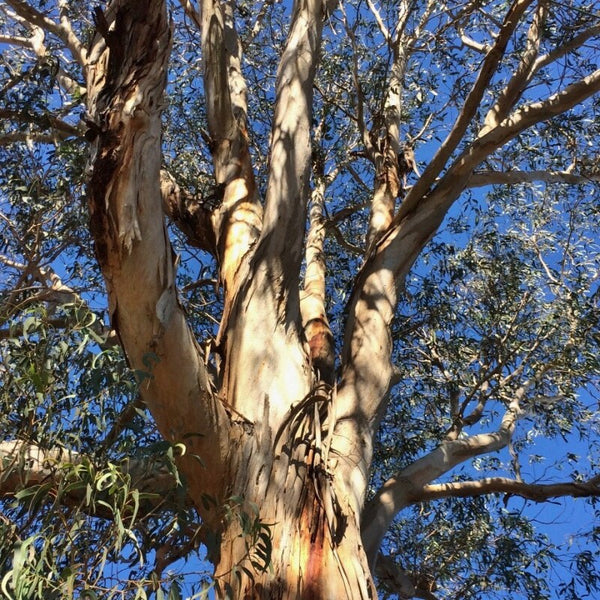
126,79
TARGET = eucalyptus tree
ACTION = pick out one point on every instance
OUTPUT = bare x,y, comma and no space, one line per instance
325,396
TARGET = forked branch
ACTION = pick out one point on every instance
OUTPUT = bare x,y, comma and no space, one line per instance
398,492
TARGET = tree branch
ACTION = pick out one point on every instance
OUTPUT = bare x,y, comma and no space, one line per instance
63,30
360,97
26,465
469,108
413,226
189,213
192,13
483,178
290,160
513,90
125,98
237,221
267,315
455,179
36,42
572,44
398,492
31,138
384,30
312,299
538,492
62,130
367,347
13,40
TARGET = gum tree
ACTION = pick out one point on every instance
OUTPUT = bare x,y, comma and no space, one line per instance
308,154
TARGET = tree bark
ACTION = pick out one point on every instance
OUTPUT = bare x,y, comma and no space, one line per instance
126,76
311,547
263,434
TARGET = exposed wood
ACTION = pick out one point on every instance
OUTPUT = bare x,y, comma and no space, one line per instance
191,214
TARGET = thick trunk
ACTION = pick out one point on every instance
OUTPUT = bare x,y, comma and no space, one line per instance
294,536
305,564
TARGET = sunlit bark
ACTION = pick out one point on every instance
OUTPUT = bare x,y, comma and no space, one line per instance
273,437
127,75
237,218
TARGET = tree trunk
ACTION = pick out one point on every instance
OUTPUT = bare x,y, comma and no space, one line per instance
274,459
293,534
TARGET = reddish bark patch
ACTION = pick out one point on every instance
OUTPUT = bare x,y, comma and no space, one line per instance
320,342
312,529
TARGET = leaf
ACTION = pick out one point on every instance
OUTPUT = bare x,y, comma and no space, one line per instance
28,324
175,591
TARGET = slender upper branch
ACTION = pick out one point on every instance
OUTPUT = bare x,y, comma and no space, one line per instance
192,13
360,97
470,106
61,129
533,113
36,42
62,30
14,40
382,27
312,300
572,44
523,73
